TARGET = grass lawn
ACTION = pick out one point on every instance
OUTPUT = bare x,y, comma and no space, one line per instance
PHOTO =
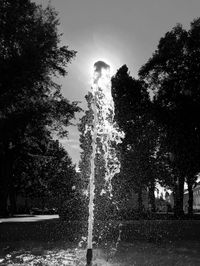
52,242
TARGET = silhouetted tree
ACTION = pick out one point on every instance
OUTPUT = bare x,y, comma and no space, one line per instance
32,106
46,179
173,73
133,115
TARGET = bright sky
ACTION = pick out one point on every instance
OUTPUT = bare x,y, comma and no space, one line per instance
118,31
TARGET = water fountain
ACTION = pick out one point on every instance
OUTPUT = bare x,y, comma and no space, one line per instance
41,252
105,129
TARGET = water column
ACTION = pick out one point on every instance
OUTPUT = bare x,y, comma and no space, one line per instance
98,66
105,129
92,185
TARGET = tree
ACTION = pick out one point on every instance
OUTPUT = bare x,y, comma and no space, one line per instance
32,106
133,115
47,179
172,72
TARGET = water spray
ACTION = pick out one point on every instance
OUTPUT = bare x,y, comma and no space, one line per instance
92,187
108,133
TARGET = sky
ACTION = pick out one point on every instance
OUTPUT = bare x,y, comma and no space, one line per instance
116,31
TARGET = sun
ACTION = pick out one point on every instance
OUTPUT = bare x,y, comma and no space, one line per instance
111,57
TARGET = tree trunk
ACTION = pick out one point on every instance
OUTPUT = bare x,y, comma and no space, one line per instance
181,194
152,196
175,196
12,197
190,200
178,199
5,180
3,202
140,201
4,185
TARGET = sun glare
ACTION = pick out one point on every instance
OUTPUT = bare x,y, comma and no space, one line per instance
95,59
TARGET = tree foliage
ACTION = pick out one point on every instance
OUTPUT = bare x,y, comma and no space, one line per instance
133,115
32,106
173,73
46,179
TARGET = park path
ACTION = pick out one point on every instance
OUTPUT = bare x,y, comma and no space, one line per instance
28,218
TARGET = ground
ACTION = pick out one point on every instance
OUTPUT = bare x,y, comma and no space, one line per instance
45,240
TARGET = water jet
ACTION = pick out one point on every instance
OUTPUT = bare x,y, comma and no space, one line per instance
106,131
